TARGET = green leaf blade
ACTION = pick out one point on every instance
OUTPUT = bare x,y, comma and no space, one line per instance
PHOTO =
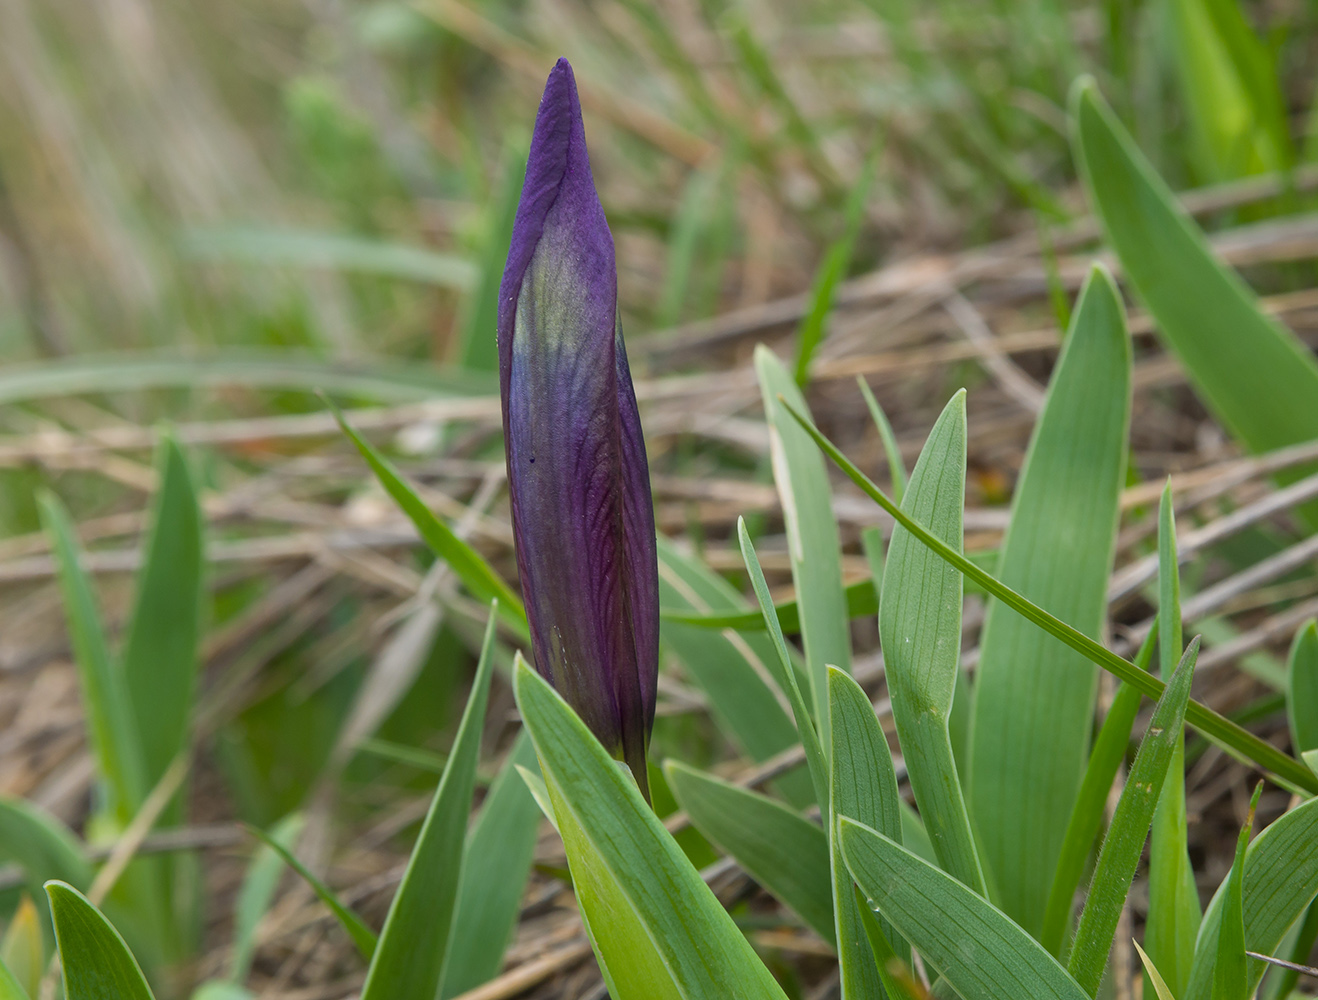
658,930
1302,688
920,630
160,653
409,959
496,862
981,952
1254,374
97,964
812,532
1130,827
1034,701
470,566
864,788
780,849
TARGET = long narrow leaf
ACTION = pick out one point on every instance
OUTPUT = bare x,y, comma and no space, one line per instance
97,964
976,947
1173,921
920,628
1280,880
864,788
1087,816
1230,971
109,712
779,848
1130,827
469,565
1034,701
362,936
812,532
733,670
160,653
496,862
1302,688
784,675
1219,730
1253,373
657,929
409,960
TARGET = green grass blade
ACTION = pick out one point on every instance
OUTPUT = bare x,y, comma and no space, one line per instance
1222,732
409,960
1228,78
469,565
495,866
1034,701
920,630
334,251
1302,688
837,258
134,371
976,947
43,846
1230,971
1280,881
478,346
864,788
896,467
657,929
97,964
860,598
257,893
1283,981
23,949
1159,985
160,653
1173,920
780,849
362,936
1254,374
1130,827
1087,816
10,988
812,533
731,669
110,721
784,674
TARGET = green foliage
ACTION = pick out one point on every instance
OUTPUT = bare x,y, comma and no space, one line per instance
732,670
1129,829
97,964
920,628
1302,689
812,533
362,936
1217,728
1087,817
657,929
1173,921
1033,700
1229,81
409,959
974,945
780,849
469,565
1279,879
1251,371
864,787
495,863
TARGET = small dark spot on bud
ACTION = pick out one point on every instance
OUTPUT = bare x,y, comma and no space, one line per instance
533,460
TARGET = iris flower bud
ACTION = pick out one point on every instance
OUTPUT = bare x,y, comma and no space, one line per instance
579,485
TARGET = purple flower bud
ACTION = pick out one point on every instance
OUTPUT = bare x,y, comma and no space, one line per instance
579,484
